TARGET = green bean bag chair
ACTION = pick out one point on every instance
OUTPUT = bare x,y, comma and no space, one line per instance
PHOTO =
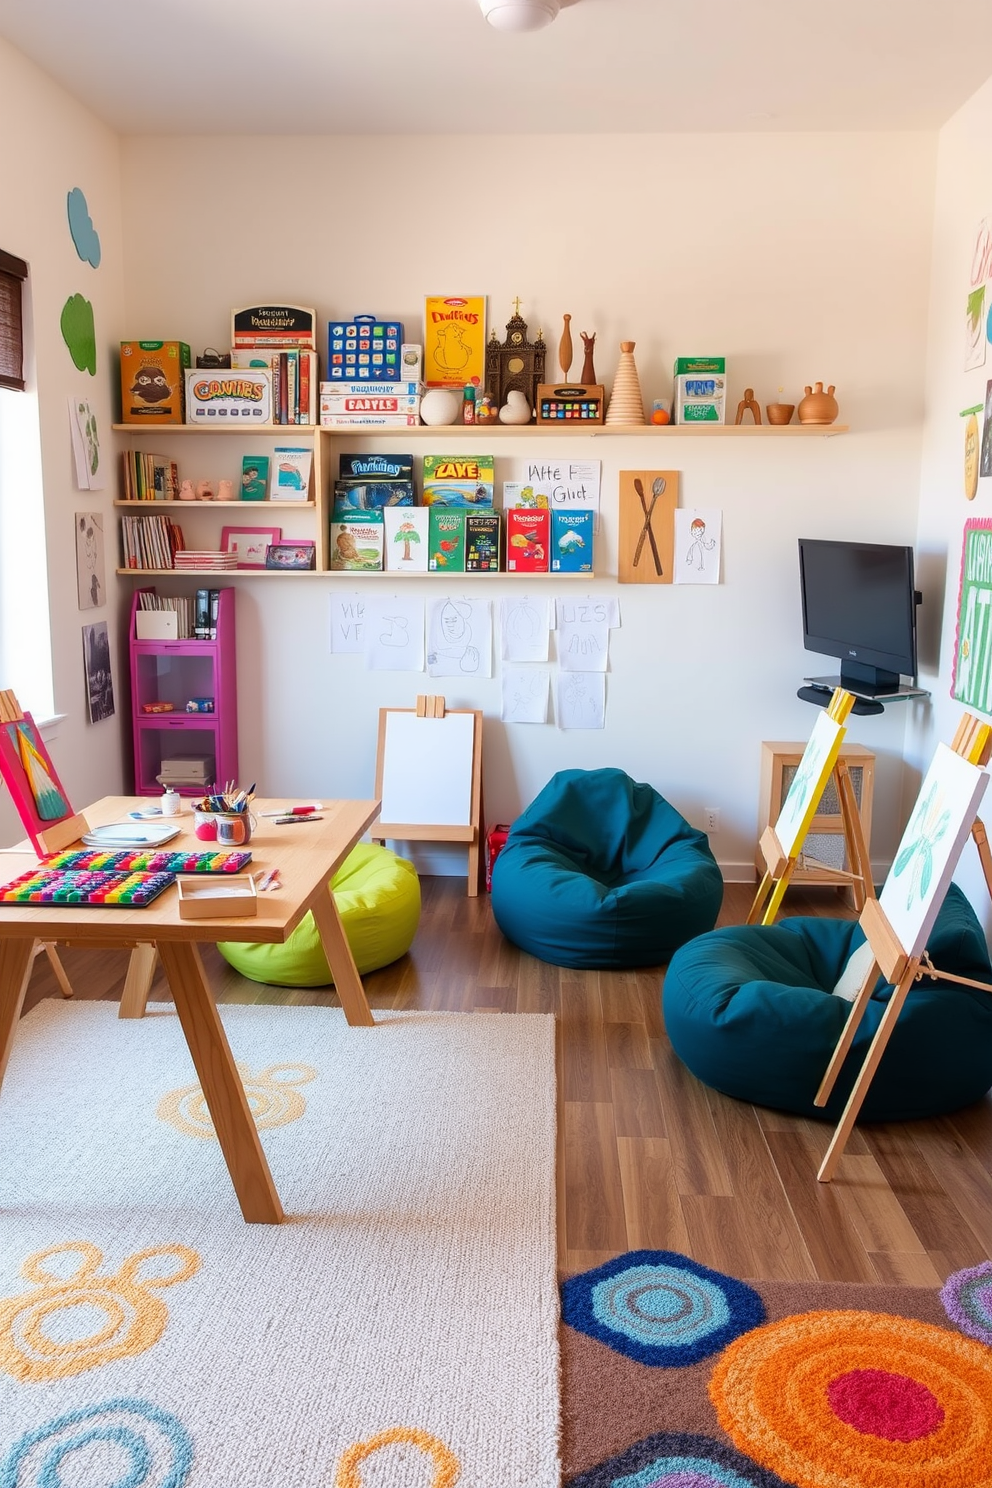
749,1009
378,898
601,871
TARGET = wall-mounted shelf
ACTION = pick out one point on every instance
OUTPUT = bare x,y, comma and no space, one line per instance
507,431
168,430
347,573
192,506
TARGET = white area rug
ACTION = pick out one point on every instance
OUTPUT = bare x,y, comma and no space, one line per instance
397,1331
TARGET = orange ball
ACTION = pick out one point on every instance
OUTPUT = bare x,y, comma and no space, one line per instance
660,416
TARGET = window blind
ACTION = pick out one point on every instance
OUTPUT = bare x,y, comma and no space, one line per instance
13,272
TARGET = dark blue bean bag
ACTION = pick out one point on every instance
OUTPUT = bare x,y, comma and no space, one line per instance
749,1010
602,872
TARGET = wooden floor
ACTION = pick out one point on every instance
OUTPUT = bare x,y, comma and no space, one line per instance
648,1157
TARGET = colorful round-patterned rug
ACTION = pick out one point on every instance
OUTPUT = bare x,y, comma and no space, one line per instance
659,1307
674,1459
967,1299
859,1400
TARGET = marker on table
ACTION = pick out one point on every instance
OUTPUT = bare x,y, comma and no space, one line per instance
295,821
294,810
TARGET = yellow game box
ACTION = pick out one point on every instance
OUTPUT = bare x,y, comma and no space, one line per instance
454,340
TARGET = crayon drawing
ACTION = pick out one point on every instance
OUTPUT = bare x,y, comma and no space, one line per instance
525,627
91,583
525,694
697,545
459,639
581,700
394,635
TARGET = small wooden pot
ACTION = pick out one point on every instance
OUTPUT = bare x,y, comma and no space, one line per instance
818,407
780,413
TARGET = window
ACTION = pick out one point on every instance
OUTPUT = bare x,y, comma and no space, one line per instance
25,626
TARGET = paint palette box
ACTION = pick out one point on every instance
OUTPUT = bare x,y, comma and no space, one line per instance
572,541
227,398
153,388
407,539
483,531
446,540
528,537
357,543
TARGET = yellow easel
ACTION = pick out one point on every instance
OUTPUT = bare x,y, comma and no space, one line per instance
781,845
972,742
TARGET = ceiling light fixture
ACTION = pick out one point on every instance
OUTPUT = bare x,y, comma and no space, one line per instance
520,15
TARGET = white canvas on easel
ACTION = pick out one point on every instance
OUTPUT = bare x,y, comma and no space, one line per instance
427,769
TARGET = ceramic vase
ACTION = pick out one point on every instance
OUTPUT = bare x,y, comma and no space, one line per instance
441,406
818,407
626,405
516,409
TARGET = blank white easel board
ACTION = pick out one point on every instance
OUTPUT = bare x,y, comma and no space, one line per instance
427,769
429,778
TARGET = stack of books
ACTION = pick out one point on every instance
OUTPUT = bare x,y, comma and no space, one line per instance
281,339
371,405
150,542
149,477
205,558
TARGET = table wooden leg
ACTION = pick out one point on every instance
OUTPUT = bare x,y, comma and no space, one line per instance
347,982
220,1083
16,961
138,982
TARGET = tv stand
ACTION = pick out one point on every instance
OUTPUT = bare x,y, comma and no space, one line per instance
868,698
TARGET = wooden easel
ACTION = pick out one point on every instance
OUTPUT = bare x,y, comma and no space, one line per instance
779,865
431,707
973,742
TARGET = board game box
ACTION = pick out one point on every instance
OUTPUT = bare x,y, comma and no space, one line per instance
153,390
528,534
407,539
377,467
572,540
459,480
371,495
364,349
274,325
446,540
454,340
482,542
229,397
357,542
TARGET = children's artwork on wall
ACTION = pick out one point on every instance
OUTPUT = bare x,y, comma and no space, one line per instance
91,584
581,700
85,445
525,628
584,627
394,634
931,845
985,465
99,677
347,624
808,783
560,485
698,545
525,692
460,638
977,304
79,333
971,675
85,237
249,543
646,537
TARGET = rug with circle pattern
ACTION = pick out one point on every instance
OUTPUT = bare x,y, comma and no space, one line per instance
678,1376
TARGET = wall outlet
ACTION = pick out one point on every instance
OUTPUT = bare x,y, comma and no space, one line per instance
712,815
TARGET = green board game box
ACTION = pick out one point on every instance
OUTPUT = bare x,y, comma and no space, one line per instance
357,542
459,480
446,540
482,542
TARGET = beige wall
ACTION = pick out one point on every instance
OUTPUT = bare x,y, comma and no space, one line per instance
799,258
55,145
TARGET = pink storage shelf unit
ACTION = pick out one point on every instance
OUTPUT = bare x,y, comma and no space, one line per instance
167,671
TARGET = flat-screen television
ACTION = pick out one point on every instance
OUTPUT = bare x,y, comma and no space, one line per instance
859,604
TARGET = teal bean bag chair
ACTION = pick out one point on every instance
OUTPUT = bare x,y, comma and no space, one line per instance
378,898
749,1009
601,871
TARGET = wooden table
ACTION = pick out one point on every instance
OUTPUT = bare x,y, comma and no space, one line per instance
306,856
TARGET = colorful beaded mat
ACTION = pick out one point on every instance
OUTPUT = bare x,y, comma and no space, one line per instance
93,887
131,861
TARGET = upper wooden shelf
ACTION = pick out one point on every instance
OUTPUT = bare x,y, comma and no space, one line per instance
507,431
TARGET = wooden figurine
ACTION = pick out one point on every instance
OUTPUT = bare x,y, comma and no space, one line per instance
626,406
748,404
588,370
565,349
